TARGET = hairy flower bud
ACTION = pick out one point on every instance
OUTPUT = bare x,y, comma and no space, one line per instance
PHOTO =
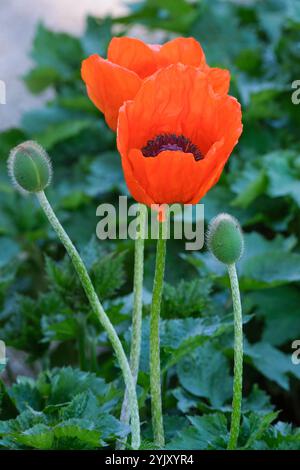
29,167
225,239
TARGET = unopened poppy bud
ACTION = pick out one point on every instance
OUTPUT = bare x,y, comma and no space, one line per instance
29,167
225,239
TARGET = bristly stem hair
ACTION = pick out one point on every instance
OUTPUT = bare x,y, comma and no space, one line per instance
136,333
155,371
238,358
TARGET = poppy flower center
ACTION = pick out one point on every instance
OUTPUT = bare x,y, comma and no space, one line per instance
173,142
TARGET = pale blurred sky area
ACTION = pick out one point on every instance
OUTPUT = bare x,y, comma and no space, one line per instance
18,20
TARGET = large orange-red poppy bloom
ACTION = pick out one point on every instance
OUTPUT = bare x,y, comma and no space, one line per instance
113,81
176,136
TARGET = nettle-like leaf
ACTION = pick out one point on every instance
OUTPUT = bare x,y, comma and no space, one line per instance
205,432
272,363
187,298
281,436
63,383
106,271
24,321
36,430
253,428
108,275
257,401
212,432
179,337
205,373
60,275
55,387
24,394
63,409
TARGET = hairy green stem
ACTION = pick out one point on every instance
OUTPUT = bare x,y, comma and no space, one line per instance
136,334
100,313
82,342
155,372
238,358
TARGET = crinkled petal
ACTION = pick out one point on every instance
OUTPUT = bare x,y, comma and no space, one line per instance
145,59
178,100
219,79
134,55
181,50
108,86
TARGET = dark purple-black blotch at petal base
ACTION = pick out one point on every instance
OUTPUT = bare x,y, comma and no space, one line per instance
171,142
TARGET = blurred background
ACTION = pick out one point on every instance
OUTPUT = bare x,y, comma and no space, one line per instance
52,337
18,24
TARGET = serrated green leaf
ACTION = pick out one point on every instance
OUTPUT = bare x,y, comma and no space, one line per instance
205,373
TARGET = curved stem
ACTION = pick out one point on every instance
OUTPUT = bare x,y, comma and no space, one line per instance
100,313
155,372
136,334
238,358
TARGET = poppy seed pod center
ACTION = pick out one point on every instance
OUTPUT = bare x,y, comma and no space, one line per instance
171,142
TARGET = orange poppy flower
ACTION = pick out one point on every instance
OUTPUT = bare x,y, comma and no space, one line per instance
175,137
113,81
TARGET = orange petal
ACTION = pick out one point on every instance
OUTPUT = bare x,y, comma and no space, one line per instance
135,187
134,55
169,175
108,86
181,50
174,100
167,178
145,59
219,79
178,100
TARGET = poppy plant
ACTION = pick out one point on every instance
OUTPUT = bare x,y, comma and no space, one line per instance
176,136
174,139
112,81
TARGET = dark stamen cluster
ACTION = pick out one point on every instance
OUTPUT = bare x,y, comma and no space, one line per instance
171,142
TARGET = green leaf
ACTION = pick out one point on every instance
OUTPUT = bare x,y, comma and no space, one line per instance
108,274
255,426
62,131
272,363
255,187
205,373
65,383
105,175
25,394
60,328
280,437
205,432
279,307
96,36
59,51
283,175
8,251
163,14
77,434
179,337
40,78
275,269
187,298
39,436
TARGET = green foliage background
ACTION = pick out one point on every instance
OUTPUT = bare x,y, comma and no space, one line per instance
75,400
